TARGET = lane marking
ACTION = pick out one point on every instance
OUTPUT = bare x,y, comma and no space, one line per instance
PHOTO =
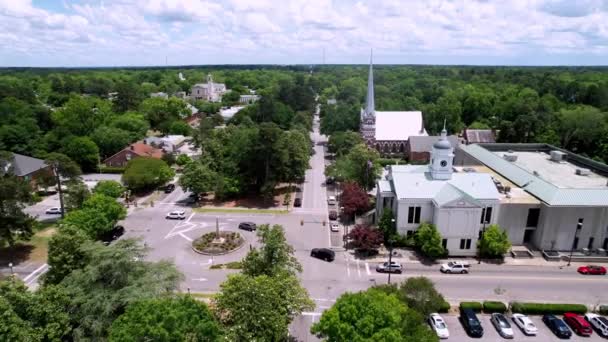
323,300
34,272
185,236
347,268
367,269
199,279
311,314
33,280
358,268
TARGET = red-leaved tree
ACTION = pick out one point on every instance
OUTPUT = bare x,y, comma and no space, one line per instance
354,199
365,237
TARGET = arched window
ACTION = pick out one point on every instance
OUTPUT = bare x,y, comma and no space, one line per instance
402,148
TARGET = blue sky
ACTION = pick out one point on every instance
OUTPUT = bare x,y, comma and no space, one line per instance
150,32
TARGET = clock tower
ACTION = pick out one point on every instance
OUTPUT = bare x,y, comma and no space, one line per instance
442,158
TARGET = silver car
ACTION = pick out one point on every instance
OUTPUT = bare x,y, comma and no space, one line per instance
502,325
393,267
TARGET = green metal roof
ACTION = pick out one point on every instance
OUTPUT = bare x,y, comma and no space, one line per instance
535,185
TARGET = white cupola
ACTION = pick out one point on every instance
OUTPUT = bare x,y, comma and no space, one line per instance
442,158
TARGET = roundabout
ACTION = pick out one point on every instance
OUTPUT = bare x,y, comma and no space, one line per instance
218,243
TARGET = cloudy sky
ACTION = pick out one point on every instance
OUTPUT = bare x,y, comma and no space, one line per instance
179,32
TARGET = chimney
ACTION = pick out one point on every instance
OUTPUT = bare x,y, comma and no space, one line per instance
132,147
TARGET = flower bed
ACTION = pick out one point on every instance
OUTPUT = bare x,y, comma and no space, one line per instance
206,244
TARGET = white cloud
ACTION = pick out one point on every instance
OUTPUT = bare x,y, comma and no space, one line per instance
135,32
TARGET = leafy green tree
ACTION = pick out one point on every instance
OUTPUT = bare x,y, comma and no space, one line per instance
161,113
132,122
106,206
15,193
109,188
494,242
429,242
128,97
110,139
198,178
76,193
180,128
64,166
275,255
360,165
81,115
33,316
183,160
166,319
341,143
419,294
272,303
89,222
386,224
371,315
146,173
340,118
83,151
65,253
115,277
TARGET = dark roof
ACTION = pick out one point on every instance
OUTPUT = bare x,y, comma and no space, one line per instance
24,165
474,136
425,144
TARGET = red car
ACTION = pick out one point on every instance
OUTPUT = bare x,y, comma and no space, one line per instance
592,269
578,324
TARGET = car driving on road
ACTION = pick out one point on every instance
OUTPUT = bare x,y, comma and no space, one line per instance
393,267
323,254
333,215
169,188
250,226
53,211
334,227
455,267
176,215
297,202
502,325
438,325
112,235
592,269
525,324
557,326
331,200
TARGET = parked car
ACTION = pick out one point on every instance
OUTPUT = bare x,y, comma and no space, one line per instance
455,267
502,325
525,324
112,235
53,211
176,215
323,254
329,181
592,269
334,227
557,326
331,200
599,323
297,202
250,226
578,324
169,188
438,325
393,267
333,215
471,323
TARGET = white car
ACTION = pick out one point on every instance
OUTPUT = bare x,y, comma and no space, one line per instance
393,267
53,211
525,324
455,267
331,200
599,323
334,227
438,325
176,215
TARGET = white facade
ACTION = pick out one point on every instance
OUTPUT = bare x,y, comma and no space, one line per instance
209,91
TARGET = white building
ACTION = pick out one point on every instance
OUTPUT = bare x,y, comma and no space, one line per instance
169,143
209,91
388,132
160,94
533,191
248,99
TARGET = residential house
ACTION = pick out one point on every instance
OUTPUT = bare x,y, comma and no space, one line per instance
28,168
137,149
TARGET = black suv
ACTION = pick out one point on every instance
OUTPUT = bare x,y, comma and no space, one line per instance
471,323
112,235
297,202
169,188
559,328
250,226
323,254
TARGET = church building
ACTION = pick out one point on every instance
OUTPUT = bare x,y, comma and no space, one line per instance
388,132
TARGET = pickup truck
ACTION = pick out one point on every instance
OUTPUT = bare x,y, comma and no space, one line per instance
461,267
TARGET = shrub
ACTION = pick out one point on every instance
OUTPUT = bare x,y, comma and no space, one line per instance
542,308
476,306
491,307
603,310
111,169
445,307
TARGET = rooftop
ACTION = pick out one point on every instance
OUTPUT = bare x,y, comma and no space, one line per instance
398,126
515,193
425,143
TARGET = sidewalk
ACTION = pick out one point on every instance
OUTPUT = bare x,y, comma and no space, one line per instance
408,256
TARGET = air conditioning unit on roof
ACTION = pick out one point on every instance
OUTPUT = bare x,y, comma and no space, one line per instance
583,172
558,156
509,156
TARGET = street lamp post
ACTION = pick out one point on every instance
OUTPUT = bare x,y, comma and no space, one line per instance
10,264
390,254
579,226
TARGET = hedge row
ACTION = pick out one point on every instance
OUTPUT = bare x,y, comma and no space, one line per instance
491,307
603,310
111,169
541,309
445,307
476,306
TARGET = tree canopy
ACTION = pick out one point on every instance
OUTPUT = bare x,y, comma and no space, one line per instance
144,173
494,242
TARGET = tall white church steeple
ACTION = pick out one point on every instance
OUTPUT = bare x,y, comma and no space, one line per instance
368,116
442,157
369,104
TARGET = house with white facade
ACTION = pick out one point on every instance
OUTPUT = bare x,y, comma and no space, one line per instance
544,197
209,91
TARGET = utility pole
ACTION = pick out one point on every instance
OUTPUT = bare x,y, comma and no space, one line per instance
579,226
390,255
59,190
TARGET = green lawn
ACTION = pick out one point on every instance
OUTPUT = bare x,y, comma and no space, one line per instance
35,250
240,210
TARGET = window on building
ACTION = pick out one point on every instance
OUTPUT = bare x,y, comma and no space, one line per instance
468,244
605,244
533,215
575,243
413,214
444,243
486,215
590,244
462,243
